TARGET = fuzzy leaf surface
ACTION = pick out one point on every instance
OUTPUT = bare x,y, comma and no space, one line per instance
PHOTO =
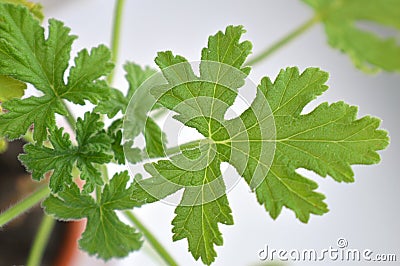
199,223
93,147
105,235
10,88
327,141
27,56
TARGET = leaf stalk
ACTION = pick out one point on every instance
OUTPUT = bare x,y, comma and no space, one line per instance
116,36
24,205
285,40
158,247
41,240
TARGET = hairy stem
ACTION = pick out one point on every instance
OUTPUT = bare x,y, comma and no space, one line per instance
282,42
178,149
152,239
98,193
70,117
41,239
116,33
23,205
104,172
186,146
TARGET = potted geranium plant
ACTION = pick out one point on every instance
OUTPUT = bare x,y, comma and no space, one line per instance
266,143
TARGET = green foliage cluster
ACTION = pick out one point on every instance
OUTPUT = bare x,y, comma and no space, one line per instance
328,140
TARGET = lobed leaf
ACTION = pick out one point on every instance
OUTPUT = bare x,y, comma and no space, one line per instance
27,56
105,235
198,216
93,146
266,144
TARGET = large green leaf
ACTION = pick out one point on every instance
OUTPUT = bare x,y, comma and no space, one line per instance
266,144
26,55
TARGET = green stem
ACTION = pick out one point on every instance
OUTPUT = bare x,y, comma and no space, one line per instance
70,117
156,114
116,33
98,193
190,145
285,40
104,173
115,40
23,205
151,238
178,149
39,245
